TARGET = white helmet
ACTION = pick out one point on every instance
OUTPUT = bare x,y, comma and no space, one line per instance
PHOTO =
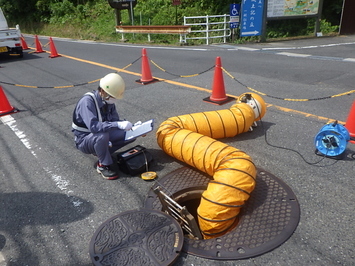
113,84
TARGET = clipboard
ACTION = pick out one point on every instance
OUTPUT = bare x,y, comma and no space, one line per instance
139,130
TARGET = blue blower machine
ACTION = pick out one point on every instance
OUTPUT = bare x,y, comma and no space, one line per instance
331,141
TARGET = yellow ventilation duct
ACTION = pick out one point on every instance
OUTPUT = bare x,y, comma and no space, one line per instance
191,138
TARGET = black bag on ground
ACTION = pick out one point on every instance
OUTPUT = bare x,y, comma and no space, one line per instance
134,161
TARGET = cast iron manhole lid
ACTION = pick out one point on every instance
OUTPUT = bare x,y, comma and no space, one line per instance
268,219
137,237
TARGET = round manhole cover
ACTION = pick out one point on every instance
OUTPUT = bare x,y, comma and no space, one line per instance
137,237
268,219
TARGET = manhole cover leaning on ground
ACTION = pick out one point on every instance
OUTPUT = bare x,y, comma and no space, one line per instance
137,237
267,220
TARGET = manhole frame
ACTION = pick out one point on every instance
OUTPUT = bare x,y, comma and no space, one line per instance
230,246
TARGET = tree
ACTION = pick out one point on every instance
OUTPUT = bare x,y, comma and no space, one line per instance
18,11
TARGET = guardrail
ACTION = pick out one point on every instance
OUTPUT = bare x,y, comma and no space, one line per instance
209,27
182,30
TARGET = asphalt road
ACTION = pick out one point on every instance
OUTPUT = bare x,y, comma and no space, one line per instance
53,200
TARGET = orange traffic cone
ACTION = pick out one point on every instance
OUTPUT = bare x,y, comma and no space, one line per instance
350,123
146,74
38,46
218,91
52,48
5,107
23,43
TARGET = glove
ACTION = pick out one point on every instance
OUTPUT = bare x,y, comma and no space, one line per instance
124,125
138,123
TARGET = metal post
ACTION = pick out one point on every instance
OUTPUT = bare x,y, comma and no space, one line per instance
318,19
207,31
264,23
118,16
131,9
225,28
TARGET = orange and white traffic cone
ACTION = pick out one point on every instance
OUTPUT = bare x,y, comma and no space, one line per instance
54,52
146,74
23,43
38,45
350,123
218,96
5,106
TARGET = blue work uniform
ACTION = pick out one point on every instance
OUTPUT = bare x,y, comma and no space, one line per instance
95,127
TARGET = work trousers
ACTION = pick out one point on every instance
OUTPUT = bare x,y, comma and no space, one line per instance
98,144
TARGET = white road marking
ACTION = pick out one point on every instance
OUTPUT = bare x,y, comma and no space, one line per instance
60,182
349,59
294,54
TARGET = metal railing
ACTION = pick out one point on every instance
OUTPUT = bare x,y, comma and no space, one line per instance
208,27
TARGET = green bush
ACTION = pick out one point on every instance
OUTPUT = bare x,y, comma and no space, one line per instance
95,20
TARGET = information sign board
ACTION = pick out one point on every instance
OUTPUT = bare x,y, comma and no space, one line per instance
122,4
234,15
252,17
286,8
176,2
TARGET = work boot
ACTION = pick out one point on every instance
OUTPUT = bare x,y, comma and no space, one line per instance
106,172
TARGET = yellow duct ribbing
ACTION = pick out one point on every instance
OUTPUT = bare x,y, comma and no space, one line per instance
191,139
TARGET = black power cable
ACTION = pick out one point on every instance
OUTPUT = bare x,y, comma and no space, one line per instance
249,97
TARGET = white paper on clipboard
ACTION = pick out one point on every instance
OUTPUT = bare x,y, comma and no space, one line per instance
140,130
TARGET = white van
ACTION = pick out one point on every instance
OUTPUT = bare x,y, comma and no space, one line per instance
10,42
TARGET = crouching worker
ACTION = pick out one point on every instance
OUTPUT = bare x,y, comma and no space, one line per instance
96,124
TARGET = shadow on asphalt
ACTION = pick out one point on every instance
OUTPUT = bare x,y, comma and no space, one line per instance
22,210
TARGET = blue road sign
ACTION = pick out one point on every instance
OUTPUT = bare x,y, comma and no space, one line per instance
252,17
234,14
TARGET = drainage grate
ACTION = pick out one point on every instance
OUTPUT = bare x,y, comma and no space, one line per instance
268,219
137,237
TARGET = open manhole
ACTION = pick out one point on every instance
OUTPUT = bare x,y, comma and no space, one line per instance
268,219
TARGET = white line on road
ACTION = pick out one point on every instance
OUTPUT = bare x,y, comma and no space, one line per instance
60,182
349,59
294,55
308,47
246,49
